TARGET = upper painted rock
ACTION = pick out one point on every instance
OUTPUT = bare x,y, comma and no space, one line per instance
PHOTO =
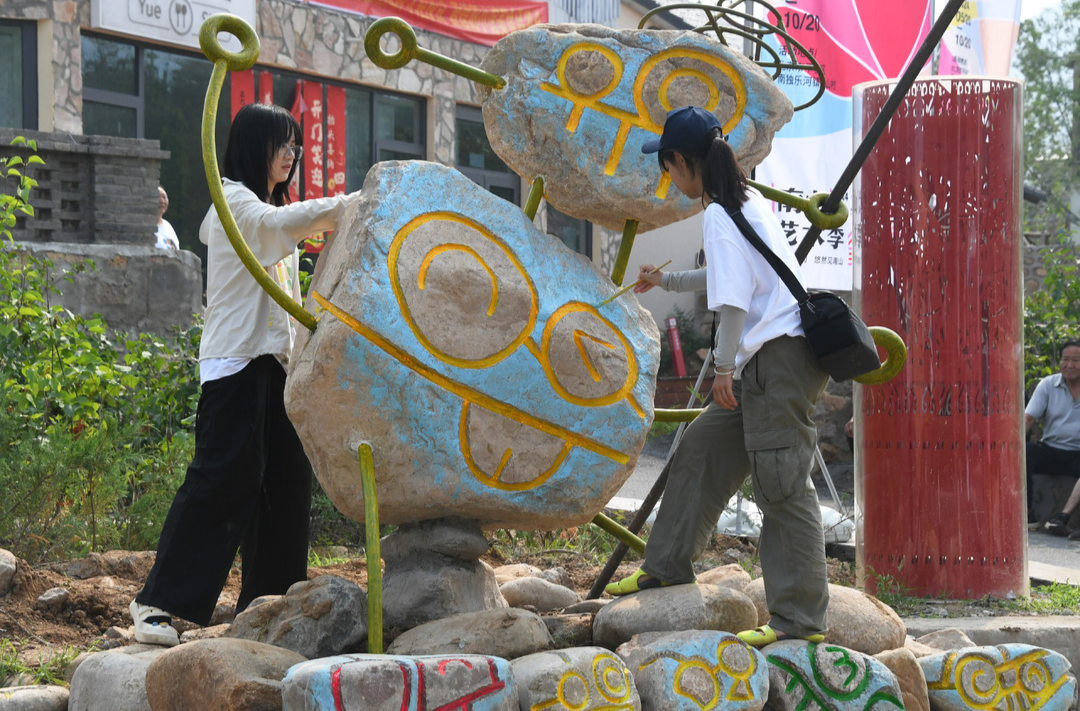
465,347
380,682
580,100
828,677
1008,676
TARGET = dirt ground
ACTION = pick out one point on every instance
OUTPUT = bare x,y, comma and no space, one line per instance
99,588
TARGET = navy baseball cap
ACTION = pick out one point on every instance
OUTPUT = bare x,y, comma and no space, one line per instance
686,129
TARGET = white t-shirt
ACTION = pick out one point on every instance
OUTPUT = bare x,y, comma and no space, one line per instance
1060,414
738,275
242,321
166,236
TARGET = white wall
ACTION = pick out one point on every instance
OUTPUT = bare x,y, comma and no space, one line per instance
680,243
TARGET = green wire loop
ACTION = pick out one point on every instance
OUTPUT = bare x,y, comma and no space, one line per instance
223,62
811,206
410,50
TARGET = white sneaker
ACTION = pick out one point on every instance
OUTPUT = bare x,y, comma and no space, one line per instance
153,625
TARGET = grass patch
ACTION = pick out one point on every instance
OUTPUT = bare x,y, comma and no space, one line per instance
48,670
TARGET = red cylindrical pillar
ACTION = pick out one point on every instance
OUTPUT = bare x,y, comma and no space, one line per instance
940,449
676,347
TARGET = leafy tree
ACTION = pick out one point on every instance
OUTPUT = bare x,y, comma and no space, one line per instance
11,168
1048,57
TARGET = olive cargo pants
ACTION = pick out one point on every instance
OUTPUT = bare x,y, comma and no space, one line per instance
771,437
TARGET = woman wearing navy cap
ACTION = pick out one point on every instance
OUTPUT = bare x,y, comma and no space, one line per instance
766,386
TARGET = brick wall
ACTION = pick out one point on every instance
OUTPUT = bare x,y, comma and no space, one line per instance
91,190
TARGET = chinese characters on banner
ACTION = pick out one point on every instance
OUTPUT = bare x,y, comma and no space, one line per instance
981,38
314,174
241,90
854,41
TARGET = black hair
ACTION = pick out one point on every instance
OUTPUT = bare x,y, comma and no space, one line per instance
1066,344
724,182
256,134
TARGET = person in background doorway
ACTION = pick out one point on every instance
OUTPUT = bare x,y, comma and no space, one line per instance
166,235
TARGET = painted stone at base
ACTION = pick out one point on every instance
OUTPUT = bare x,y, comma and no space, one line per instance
1007,677
828,677
580,100
581,678
378,682
466,347
695,669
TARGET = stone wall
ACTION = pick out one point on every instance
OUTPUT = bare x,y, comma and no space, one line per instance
91,189
136,288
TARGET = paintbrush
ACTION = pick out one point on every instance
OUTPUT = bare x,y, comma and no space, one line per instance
628,287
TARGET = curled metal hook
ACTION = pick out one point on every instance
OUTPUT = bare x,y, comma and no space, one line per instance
411,50
235,61
896,352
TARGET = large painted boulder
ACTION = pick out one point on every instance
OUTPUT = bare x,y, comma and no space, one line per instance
1006,676
580,100
380,682
467,348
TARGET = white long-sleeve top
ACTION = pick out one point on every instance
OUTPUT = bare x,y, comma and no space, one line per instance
242,321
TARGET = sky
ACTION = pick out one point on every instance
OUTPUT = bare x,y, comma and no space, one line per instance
1031,8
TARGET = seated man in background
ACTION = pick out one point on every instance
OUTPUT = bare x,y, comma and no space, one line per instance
1056,403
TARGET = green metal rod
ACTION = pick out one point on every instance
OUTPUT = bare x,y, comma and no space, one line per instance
810,206
625,247
232,61
661,415
535,195
409,51
372,550
613,527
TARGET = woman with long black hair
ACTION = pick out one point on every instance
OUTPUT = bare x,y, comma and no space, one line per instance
249,484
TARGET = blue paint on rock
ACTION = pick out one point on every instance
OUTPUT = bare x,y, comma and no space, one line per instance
1013,676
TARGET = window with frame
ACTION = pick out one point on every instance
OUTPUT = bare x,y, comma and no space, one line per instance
18,74
138,91
477,159
574,233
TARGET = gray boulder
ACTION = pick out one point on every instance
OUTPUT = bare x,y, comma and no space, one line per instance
314,618
507,633
670,609
1008,675
219,675
857,620
8,565
34,698
903,664
433,571
114,680
538,594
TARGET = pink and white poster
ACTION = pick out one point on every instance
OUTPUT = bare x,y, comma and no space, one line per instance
854,41
981,38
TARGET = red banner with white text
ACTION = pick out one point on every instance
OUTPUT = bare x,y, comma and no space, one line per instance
478,21
241,90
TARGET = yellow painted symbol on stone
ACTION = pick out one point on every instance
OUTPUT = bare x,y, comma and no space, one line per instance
611,681
582,98
443,258
698,679
1014,684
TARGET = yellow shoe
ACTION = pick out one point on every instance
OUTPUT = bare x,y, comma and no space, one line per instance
633,584
767,635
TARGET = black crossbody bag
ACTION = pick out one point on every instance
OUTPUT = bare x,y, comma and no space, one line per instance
838,338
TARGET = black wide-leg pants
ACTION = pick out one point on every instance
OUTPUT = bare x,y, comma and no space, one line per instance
248,487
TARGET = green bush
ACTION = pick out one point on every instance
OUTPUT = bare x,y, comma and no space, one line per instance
93,438
1052,314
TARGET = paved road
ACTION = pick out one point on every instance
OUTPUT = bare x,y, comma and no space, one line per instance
1042,547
